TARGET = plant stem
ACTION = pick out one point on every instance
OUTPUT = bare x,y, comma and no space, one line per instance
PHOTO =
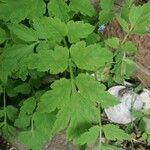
72,76
100,125
4,105
100,119
70,69
32,124
126,36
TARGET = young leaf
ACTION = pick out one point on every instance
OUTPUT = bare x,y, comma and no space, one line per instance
56,61
94,56
78,7
59,8
113,42
113,132
23,32
89,137
2,35
78,30
50,28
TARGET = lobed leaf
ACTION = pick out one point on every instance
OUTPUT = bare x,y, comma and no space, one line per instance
59,8
91,57
50,28
56,61
113,132
78,30
78,7
23,32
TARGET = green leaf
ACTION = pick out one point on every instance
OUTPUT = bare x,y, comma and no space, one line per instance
56,98
1,113
113,132
23,32
33,139
138,14
78,30
94,91
50,28
43,122
12,59
23,121
23,88
113,42
59,8
130,67
78,7
105,16
89,137
123,23
26,112
91,57
7,130
106,4
17,10
83,113
129,47
11,112
92,38
28,106
2,35
56,61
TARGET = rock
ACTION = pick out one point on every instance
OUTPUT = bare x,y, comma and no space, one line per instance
121,113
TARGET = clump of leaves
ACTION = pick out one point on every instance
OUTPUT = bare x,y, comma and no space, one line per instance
48,52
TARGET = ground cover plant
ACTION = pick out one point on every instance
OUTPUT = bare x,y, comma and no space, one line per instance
56,67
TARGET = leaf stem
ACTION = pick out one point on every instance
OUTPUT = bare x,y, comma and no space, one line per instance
70,68
32,124
72,76
100,118
126,36
100,125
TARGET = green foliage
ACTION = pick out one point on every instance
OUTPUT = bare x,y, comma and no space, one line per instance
49,52
2,35
60,9
78,30
78,7
112,132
